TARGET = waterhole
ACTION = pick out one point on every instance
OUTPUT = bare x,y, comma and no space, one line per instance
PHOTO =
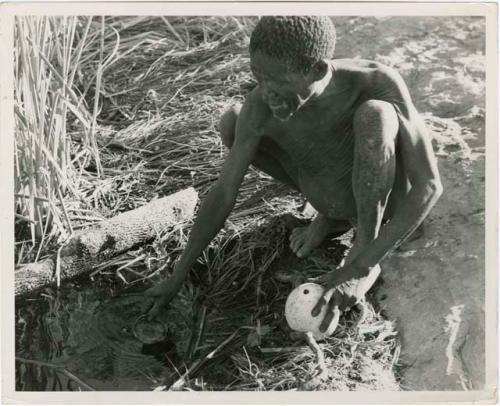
94,337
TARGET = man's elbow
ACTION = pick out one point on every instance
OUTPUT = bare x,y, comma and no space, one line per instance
435,188
428,191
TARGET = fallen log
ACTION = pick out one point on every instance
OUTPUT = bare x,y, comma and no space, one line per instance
111,237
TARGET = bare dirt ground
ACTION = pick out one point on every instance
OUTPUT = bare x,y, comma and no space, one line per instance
434,287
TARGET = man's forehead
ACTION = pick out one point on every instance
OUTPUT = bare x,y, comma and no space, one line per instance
260,62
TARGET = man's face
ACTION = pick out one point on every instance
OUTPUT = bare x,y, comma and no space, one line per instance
282,90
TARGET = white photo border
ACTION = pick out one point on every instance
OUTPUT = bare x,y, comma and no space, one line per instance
488,10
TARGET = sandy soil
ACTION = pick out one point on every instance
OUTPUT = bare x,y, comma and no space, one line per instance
434,287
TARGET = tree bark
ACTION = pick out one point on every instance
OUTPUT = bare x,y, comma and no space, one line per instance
89,247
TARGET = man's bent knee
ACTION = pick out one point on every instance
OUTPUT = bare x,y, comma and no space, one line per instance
376,124
227,124
377,115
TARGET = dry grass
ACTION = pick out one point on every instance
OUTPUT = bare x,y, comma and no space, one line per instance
48,60
154,90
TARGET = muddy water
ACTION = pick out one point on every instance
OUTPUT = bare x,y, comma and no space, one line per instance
83,338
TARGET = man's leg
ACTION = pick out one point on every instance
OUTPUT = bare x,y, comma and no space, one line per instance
272,160
399,191
376,127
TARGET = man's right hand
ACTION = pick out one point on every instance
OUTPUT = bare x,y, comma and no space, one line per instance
160,296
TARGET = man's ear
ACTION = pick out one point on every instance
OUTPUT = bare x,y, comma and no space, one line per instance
319,70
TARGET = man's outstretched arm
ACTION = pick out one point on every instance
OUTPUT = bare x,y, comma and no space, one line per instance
214,210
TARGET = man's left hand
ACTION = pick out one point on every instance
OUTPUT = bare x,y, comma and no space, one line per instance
349,284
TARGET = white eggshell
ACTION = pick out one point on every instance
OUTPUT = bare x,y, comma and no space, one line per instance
299,305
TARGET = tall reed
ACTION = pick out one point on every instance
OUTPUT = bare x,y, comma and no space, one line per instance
48,54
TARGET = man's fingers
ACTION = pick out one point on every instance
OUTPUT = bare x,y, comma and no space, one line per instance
302,252
153,311
332,311
363,309
325,298
317,309
146,305
331,321
328,318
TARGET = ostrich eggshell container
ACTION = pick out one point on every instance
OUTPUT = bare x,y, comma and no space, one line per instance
299,305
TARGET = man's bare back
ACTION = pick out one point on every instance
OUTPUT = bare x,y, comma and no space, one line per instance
344,133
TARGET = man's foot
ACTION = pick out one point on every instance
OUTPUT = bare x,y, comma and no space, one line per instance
304,239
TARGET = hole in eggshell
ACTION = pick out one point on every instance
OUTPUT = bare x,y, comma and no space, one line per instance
306,291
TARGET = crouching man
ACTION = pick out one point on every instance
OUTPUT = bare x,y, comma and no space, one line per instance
344,133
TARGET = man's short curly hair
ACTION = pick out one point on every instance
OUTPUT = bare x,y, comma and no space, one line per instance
299,41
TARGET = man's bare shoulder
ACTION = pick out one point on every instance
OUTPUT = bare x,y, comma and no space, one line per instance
366,72
376,81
